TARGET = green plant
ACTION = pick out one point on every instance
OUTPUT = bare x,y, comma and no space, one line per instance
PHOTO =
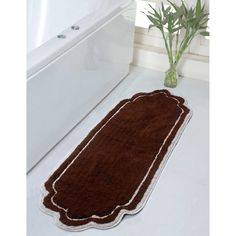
178,25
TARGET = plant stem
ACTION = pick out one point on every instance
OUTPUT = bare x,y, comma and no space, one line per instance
170,44
184,44
177,41
180,53
166,45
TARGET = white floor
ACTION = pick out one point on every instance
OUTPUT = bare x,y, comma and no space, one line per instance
178,206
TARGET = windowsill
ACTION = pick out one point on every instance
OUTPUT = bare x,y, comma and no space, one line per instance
160,50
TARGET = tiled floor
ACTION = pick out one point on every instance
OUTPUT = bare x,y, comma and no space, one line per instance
178,206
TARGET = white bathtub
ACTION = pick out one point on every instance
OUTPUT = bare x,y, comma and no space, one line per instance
67,77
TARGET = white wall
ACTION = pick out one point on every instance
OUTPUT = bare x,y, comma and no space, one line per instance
149,50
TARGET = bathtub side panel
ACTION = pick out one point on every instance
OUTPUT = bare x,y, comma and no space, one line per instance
61,94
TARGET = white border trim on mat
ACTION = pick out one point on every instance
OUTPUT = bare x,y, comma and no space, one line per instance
145,197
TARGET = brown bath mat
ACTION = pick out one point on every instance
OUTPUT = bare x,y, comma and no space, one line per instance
113,170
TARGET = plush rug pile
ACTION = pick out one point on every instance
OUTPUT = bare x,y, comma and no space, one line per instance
113,170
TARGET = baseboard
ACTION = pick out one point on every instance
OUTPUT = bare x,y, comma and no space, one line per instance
191,66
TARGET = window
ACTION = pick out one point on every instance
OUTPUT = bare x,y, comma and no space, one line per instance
199,46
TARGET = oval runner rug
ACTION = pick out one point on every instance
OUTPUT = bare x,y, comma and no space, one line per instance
113,170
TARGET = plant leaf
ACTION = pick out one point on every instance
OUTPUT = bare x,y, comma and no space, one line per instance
162,7
169,24
174,6
164,21
151,26
198,8
204,33
176,29
168,9
153,20
184,7
155,12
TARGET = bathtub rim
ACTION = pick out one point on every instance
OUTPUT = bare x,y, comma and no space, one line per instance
37,59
